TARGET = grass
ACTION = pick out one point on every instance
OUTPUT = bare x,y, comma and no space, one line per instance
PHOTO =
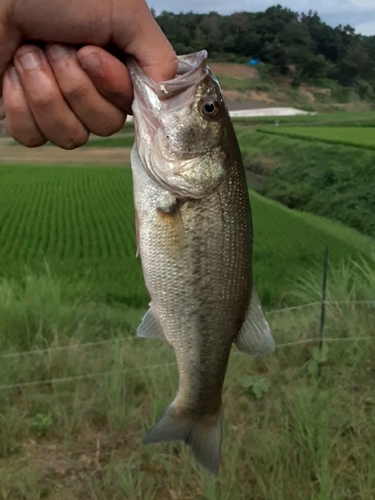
324,179
81,222
243,84
362,119
288,435
350,136
111,142
289,244
117,141
324,96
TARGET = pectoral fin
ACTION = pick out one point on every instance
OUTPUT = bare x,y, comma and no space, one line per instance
255,337
150,326
172,225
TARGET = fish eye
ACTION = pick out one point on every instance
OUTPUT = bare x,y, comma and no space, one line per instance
209,108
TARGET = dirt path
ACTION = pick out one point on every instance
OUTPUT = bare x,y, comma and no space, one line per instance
48,155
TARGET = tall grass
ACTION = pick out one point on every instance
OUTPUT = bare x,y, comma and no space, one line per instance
40,311
300,437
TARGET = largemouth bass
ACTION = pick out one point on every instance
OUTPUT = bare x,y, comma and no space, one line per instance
195,239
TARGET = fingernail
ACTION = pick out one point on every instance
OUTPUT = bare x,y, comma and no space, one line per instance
13,75
30,60
92,63
58,52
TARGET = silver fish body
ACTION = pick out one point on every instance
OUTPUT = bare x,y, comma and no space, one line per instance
195,238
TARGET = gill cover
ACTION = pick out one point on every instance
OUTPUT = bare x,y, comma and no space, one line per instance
180,127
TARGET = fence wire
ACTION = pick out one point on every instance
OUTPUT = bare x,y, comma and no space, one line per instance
23,385
160,365
130,339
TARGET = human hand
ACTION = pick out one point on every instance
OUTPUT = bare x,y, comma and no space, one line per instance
63,93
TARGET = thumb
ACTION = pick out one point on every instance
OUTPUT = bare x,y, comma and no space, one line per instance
145,41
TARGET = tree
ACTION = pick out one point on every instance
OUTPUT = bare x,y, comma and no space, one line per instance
300,45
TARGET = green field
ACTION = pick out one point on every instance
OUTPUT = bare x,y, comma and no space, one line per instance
118,141
362,119
81,221
363,137
73,416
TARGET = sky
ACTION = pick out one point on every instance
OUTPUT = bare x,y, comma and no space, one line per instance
358,13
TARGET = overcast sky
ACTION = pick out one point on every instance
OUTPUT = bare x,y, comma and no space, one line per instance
358,13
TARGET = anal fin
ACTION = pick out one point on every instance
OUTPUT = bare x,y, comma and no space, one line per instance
255,337
150,326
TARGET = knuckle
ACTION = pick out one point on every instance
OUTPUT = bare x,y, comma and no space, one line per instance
33,141
109,127
75,91
75,141
25,132
16,107
44,100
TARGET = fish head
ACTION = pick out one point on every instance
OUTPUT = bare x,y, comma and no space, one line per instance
180,127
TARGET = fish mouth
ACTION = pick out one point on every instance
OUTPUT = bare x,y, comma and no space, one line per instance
191,70
153,101
151,98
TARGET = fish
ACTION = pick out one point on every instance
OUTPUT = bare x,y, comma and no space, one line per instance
195,240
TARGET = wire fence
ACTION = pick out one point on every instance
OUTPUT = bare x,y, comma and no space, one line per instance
173,363
130,339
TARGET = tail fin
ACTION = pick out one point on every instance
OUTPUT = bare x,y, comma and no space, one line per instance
201,434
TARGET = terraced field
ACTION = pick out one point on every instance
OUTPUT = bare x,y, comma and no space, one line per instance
351,136
81,222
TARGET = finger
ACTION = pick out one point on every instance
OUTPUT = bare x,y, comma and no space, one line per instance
19,119
51,112
2,109
143,39
9,41
109,75
97,114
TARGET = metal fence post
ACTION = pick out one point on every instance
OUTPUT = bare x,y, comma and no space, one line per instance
323,304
